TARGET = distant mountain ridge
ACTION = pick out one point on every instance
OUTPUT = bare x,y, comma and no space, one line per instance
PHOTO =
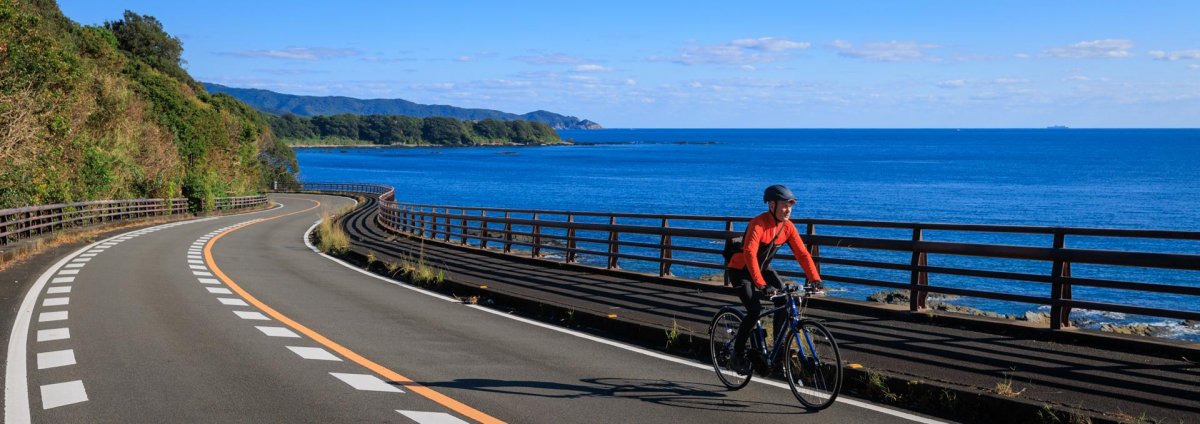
280,104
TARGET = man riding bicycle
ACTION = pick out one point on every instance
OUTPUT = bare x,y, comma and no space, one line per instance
750,271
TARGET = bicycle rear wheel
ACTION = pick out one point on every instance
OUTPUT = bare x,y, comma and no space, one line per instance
813,365
721,335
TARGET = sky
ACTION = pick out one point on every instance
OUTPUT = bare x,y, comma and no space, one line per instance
719,64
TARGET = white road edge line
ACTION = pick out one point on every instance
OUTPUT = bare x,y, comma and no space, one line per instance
842,399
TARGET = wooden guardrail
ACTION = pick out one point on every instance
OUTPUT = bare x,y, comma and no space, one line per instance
665,241
33,221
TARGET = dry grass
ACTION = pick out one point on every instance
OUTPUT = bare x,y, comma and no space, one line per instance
1005,388
18,124
331,238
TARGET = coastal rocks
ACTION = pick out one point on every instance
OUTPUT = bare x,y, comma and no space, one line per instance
1150,330
890,297
1037,317
937,302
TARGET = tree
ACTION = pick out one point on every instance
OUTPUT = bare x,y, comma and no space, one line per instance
142,36
492,130
439,130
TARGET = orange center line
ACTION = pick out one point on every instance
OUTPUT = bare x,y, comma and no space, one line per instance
393,376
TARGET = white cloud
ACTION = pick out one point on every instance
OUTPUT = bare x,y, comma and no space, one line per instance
549,59
297,53
1193,66
888,51
768,44
464,58
1173,56
592,68
952,83
630,81
745,51
1107,48
748,68
1009,81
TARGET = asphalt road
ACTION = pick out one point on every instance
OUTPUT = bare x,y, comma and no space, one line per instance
209,321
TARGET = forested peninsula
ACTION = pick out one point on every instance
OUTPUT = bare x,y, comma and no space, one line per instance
392,130
108,112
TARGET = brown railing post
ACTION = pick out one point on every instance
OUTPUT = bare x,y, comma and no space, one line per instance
447,227
570,257
813,248
464,227
1059,289
537,237
917,295
664,254
507,233
613,249
424,223
483,230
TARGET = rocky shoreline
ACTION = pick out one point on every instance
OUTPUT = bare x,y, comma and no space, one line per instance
938,302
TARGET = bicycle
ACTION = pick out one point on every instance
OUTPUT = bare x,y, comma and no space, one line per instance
807,351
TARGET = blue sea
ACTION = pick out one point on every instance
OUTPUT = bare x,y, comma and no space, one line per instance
1127,178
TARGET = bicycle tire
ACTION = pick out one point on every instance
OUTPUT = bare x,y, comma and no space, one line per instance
816,376
721,333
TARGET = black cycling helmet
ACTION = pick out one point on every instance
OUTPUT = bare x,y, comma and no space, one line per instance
778,193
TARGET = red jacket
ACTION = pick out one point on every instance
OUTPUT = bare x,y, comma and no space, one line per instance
758,236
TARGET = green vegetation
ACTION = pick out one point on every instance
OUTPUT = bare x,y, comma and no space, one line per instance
107,112
346,129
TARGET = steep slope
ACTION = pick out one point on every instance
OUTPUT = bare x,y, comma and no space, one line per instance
104,112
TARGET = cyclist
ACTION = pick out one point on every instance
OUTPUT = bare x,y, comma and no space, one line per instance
750,270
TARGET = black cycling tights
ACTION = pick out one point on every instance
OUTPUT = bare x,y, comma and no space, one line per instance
752,300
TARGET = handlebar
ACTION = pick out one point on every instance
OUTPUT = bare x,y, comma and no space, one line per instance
790,289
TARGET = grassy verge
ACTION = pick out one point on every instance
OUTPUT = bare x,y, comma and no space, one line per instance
331,238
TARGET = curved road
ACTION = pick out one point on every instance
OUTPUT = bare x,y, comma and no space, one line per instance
235,319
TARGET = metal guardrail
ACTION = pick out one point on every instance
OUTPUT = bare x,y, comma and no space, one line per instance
612,236
33,221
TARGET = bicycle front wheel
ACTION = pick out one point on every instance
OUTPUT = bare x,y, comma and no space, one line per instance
813,367
721,335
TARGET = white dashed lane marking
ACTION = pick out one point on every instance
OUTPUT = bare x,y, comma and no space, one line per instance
52,316
56,395
68,272
60,358
81,259
431,417
53,334
232,302
258,316
218,290
62,280
56,301
209,281
75,265
202,273
278,332
314,353
197,267
366,382
59,290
